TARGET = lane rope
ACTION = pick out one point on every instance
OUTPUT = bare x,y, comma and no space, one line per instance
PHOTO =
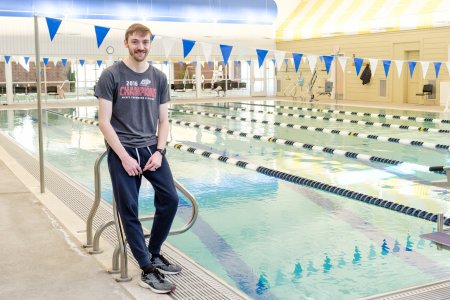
329,150
422,214
325,130
322,118
356,113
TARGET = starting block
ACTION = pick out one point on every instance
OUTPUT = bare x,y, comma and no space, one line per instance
441,168
441,238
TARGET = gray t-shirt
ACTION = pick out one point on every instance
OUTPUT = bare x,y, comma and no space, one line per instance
136,98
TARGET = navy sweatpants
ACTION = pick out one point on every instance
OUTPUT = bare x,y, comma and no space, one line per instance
126,192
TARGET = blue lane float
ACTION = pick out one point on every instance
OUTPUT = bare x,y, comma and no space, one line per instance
295,144
325,130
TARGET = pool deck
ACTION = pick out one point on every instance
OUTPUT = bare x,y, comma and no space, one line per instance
40,259
41,254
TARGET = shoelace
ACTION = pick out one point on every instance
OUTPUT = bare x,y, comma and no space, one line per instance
159,276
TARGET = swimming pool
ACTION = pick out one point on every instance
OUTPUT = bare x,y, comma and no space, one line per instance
271,238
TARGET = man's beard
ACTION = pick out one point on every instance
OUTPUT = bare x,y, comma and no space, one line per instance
135,54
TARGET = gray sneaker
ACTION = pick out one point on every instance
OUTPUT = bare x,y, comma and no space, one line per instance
156,282
164,266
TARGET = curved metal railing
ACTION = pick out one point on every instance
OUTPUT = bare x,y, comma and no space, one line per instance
94,241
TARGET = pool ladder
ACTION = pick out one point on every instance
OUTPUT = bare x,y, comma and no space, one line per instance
121,249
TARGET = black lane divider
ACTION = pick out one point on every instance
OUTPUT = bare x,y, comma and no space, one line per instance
360,114
422,214
329,150
325,130
385,125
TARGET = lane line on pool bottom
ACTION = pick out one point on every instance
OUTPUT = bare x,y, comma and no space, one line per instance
422,214
329,150
360,114
324,130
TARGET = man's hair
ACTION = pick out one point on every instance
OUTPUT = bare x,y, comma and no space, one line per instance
137,27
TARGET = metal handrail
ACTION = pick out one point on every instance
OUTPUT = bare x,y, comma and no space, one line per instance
121,248
120,251
96,203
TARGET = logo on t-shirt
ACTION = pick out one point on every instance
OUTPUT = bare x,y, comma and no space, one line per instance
145,82
131,90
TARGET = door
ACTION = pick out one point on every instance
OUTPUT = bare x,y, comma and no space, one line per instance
258,80
414,83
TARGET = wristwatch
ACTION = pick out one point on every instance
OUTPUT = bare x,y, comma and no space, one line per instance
162,151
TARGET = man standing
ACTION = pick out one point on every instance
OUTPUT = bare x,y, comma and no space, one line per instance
133,106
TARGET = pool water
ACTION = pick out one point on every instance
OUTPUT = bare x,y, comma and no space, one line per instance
271,238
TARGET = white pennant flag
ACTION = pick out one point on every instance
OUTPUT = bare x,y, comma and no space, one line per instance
206,50
448,67
312,58
425,65
168,45
399,65
343,62
373,65
54,60
279,58
25,65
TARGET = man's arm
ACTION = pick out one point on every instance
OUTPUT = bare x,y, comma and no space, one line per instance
163,132
130,165
163,125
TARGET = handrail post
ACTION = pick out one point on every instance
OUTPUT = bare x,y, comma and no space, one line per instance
96,203
123,246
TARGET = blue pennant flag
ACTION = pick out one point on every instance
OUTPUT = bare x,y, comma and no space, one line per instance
45,60
153,37
297,60
26,58
386,65
150,62
99,62
180,62
274,61
210,64
437,67
328,60
261,56
7,58
358,64
412,66
249,62
187,47
226,51
194,63
286,60
100,33
53,26
64,61
166,62
82,62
